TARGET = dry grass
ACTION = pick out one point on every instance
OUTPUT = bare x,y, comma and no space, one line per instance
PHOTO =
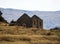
21,35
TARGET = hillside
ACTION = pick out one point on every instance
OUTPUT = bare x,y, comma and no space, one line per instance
22,35
51,18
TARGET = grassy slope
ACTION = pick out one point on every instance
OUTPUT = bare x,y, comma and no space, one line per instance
21,35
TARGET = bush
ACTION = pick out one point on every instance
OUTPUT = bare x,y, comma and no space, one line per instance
48,33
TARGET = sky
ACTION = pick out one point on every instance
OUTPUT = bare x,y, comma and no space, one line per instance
40,5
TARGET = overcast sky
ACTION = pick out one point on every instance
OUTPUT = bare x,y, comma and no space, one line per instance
41,5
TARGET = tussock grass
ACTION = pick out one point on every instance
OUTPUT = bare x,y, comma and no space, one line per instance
21,35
